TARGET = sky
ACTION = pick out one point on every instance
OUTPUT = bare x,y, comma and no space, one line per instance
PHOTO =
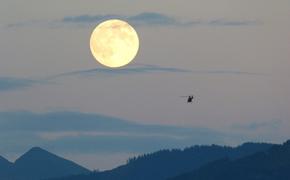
233,55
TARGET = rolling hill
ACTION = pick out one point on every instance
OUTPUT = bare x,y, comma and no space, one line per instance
38,164
273,164
169,163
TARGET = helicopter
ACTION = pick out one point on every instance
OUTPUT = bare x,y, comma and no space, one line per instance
190,98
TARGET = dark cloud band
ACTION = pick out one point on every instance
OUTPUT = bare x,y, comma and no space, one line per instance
73,130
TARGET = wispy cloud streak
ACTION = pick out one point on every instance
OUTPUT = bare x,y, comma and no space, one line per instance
10,84
153,19
229,72
142,19
147,69
224,22
259,125
147,18
140,69
13,84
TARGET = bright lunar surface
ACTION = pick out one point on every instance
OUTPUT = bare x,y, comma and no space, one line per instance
114,43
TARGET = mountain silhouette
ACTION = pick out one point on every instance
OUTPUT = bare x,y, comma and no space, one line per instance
273,164
39,164
5,165
169,163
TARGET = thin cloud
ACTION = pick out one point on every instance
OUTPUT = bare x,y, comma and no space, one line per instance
140,69
10,84
224,22
146,18
156,19
229,72
145,69
141,19
13,84
254,126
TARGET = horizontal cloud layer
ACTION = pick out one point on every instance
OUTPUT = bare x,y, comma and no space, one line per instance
139,69
11,84
259,125
143,69
147,18
153,19
141,19
82,132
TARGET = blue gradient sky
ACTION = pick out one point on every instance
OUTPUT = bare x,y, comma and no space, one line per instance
233,55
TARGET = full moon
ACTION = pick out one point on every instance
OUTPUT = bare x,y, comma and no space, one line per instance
114,43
